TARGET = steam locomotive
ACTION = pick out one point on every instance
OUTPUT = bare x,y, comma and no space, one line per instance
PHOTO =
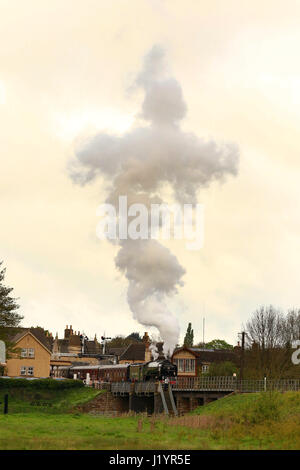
150,371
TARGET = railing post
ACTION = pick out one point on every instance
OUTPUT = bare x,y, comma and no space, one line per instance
6,404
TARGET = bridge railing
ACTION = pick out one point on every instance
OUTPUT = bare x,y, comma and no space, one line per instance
144,388
283,385
233,384
121,388
205,383
102,385
210,384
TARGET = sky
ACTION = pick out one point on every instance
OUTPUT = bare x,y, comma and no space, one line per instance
66,72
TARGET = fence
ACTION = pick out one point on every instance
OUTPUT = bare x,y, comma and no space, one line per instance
121,388
102,386
231,384
145,388
209,384
226,384
284,385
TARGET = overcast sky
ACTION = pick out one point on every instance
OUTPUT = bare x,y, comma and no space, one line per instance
65,72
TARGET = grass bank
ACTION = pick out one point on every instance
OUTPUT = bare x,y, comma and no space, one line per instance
249,421
253,421
27,400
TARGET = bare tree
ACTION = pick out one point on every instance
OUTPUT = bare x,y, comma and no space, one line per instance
265,327
292,326
268,349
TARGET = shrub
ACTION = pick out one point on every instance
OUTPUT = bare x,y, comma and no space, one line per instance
40,384
266,408
226,368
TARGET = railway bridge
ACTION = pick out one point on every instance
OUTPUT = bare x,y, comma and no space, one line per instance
187,393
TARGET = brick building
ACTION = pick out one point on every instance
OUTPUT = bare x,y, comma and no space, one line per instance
74,348
32,353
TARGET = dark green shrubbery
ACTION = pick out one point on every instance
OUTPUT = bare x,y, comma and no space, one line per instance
222,369
40,384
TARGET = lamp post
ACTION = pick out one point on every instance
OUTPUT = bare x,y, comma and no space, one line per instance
234,379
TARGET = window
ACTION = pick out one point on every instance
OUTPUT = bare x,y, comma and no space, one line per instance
30,352
27,370
27,352
205,368
190,365
185,365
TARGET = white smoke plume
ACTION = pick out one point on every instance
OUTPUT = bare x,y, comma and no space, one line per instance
139,164
154,351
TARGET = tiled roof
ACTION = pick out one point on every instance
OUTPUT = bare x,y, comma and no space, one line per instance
63,345
74,340
210,355
134,352
92,347
117,351
38,333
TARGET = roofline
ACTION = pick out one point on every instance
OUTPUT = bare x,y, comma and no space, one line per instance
184,348
30,333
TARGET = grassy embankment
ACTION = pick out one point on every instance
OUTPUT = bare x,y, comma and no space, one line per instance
254,421
250,421
27,400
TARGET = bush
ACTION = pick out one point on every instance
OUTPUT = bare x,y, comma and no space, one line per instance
40,384
266,408
221,369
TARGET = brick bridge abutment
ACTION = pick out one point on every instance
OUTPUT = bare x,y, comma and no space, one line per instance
108,403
